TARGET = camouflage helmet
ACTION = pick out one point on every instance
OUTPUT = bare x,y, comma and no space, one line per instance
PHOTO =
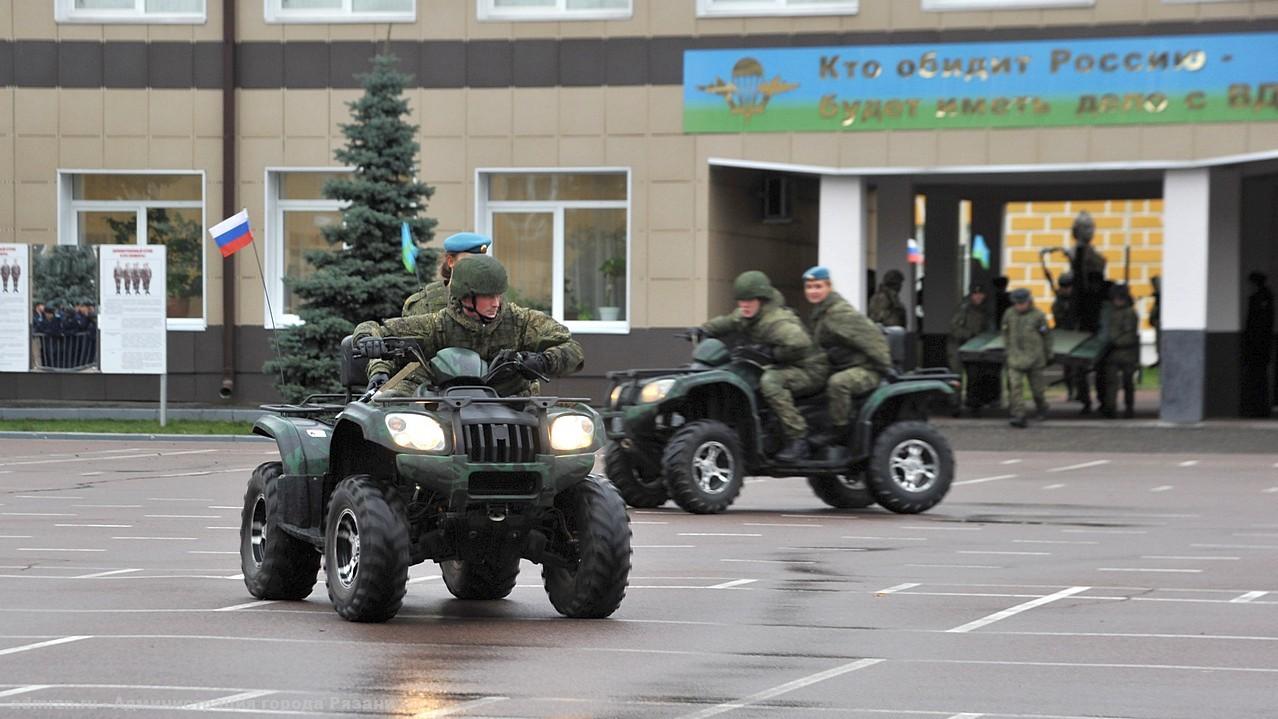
893,278
477,275
752,285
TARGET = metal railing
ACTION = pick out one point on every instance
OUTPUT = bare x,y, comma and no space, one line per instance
65,351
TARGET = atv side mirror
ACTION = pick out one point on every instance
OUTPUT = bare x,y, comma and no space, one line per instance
352,370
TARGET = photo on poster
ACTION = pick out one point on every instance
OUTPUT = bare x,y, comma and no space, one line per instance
132,316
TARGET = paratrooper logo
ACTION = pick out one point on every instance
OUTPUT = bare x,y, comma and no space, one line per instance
747,94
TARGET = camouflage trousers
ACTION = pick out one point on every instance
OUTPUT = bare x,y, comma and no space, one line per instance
841,389
1016,379
1119,370
778,385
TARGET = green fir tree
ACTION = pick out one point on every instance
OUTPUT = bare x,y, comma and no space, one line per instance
362,276
64,276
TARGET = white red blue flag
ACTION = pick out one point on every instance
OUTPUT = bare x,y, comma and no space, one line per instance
233,233
913,253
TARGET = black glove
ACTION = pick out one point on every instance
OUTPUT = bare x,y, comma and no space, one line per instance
535,362
376,381
372,347
761,354
696,334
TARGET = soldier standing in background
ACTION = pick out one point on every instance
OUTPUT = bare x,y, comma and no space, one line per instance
1257,347
885,306
1001,298
1156,318
971,319
1090,293
1122,359
434,296
1028,341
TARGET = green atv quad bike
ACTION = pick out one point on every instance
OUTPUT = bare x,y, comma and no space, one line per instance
695,433
454,474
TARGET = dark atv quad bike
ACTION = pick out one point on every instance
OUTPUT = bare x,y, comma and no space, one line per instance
693,434
455,474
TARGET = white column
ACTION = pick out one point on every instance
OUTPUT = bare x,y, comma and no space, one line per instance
841,235
1183,355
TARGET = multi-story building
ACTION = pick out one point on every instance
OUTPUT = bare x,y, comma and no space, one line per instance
629,157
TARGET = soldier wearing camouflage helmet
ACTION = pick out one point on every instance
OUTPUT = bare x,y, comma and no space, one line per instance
794,364
857,350
885,306
1028,342
434,296
478,318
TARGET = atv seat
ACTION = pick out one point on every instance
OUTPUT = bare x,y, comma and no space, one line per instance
352,370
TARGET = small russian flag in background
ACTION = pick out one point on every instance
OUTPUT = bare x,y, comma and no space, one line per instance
913,253
233,233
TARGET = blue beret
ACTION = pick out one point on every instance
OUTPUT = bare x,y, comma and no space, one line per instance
817,273
467,242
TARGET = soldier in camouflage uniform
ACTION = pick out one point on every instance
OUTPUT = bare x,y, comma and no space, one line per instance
971,319
793,363
434,296
477,318
1122,336
857,351
885,306
1029,350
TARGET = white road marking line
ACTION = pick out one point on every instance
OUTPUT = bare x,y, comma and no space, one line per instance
1013,611
940,529
635,522
176,499
417,580
23,690
1255,534
1271,490
782,689
655,546
1010,461
182,516
1162,488
967,715
234,576
1188,557
15,536
56,549
42,496
1247,598
995,478
217,506
37,514
457,708
108,526
246,605
106,574
890,539
1054,486
778,524
170,539
1188,463
1097,665
90,474
122,456
242,696
205,551
235,528
733,583
1149,570
1027,554
957,566
1105,531
1235,546
1084,465
822,516
770,561
717,534
109,506
42,645
1055,541
899,588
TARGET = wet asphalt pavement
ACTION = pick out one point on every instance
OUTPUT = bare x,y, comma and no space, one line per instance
1048,584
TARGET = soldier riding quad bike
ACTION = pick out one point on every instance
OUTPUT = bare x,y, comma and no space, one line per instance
694,433
455,474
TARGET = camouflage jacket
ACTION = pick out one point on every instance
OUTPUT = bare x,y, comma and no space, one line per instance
1122,333
431,298
886,308
969,321
515,328
1027,339
779,329
848,337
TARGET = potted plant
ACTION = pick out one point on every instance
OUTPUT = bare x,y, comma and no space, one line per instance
613,270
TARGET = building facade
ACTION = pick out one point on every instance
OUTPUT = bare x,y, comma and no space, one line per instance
631,156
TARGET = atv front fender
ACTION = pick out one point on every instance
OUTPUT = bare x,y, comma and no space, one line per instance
303,442
889,395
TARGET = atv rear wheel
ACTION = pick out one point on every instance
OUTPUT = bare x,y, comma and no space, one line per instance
597,525
842,491
911,467
638,491
276,564
366,550
704,467
468,579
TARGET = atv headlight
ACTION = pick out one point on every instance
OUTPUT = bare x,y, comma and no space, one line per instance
656,391
416,431
572,431
614,397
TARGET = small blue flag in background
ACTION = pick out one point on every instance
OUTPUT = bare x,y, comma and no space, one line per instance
981,251
409,249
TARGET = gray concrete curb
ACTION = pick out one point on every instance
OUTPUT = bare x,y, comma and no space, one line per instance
207,415
138,437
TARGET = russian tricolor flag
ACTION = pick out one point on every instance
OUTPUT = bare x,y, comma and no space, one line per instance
233,233
913,253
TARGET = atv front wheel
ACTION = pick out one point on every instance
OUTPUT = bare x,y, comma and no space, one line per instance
276,564
911,467
468,579
638,491
842,491
366,550
597,526
704,467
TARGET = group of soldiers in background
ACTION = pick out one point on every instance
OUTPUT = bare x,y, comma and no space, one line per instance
64,337
1085,301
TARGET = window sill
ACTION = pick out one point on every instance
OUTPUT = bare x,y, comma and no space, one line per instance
366,19
710,14
185,324
598,327
131,20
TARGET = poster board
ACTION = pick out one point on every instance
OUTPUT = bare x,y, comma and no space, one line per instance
15,308
132,316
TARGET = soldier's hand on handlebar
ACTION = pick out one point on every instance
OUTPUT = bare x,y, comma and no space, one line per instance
536,363
376,381
694,334
753,353
372,347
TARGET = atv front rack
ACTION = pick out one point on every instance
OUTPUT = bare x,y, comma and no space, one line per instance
542,403
313,405
636,373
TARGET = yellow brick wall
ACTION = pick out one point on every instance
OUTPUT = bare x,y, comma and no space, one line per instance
1029,227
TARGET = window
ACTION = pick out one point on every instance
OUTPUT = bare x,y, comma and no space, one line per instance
943,5
555,9
737,8
143,208
330,11
297,213
129,11
564,237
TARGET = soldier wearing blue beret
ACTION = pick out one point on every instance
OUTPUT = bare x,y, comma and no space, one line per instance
434,296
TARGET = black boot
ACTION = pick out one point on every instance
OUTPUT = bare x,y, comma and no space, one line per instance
795,450
837,450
